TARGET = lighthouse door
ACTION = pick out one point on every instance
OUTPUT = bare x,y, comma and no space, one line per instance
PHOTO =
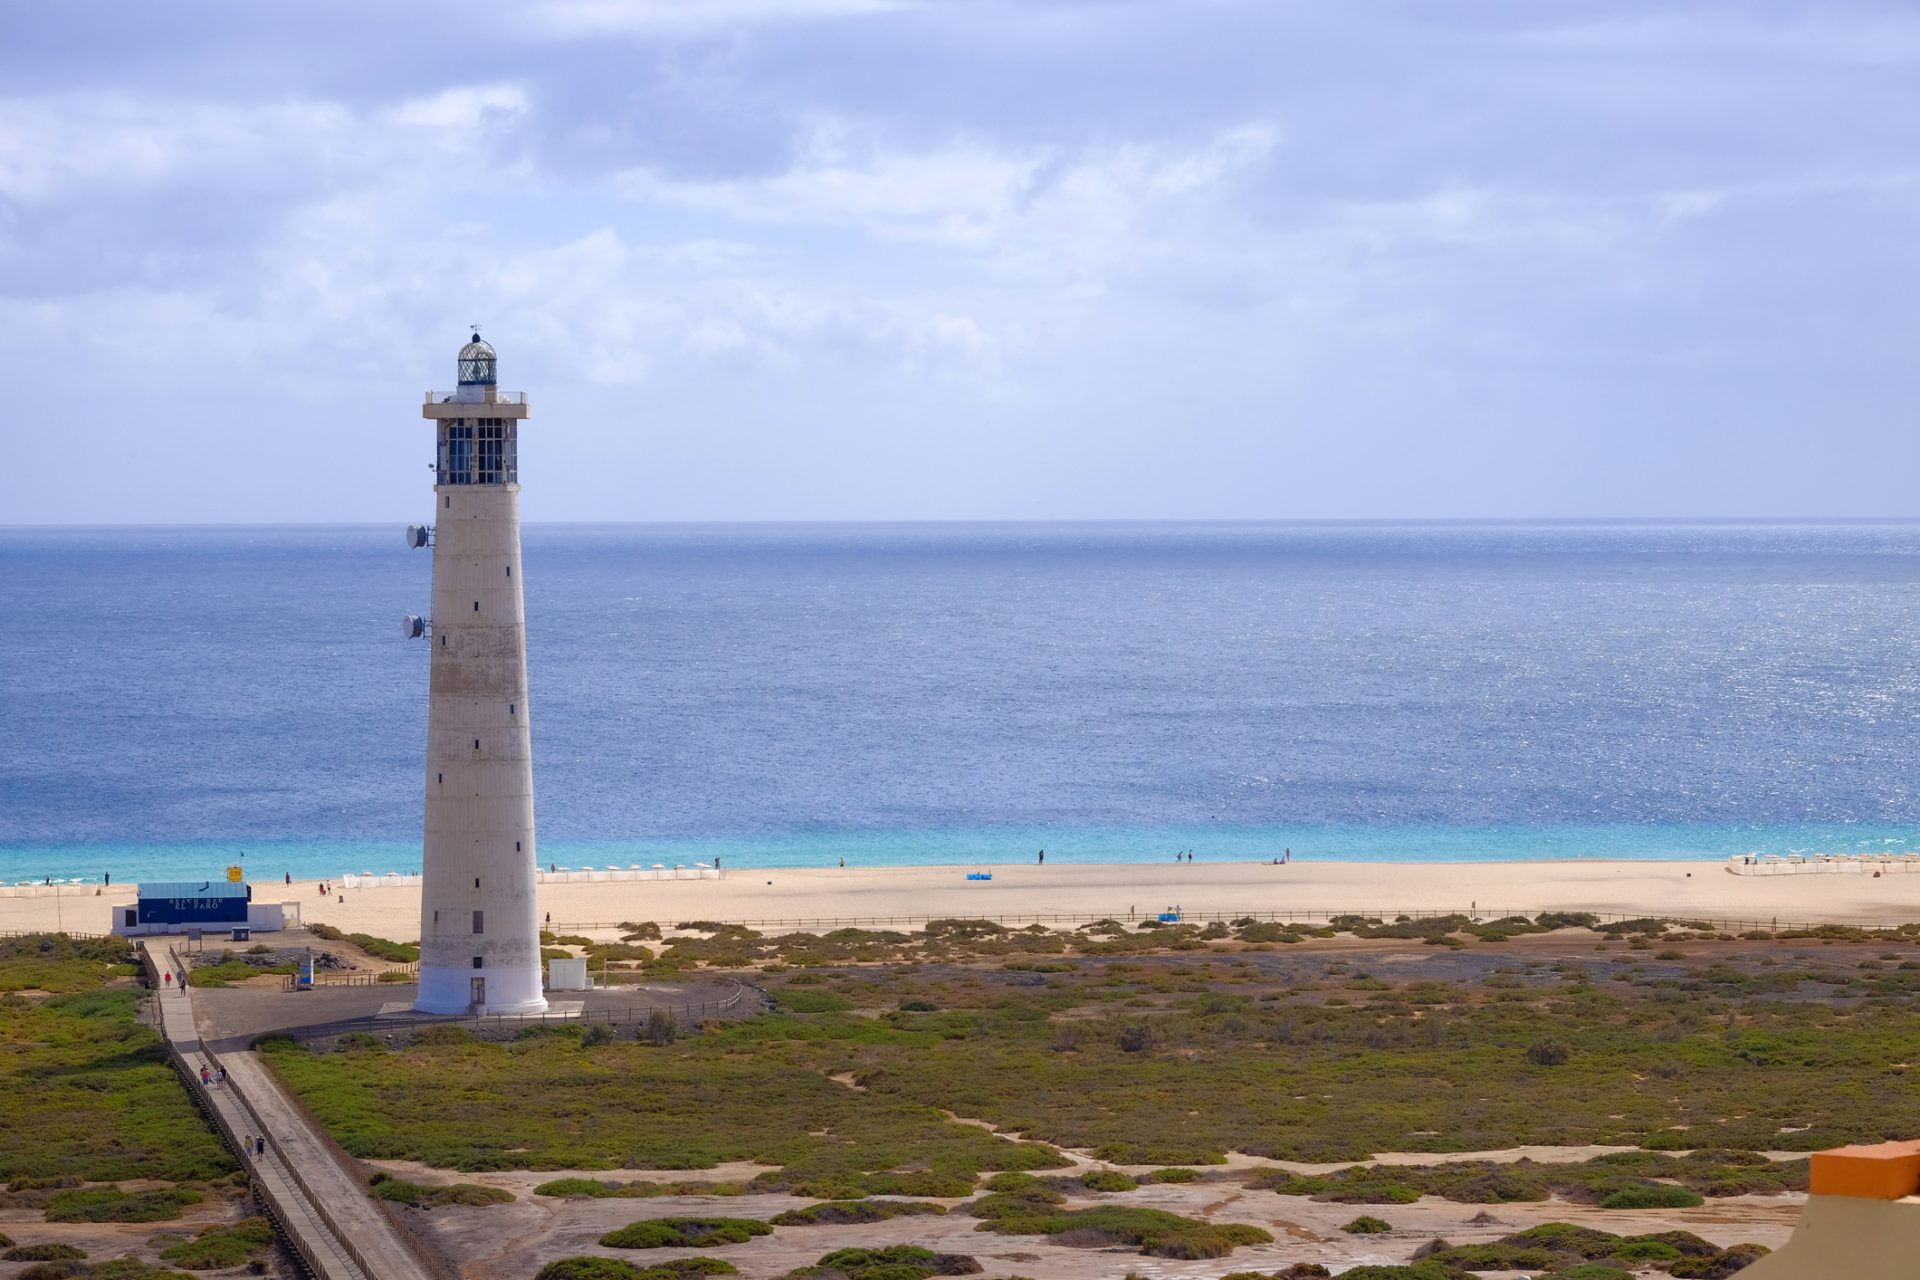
479,993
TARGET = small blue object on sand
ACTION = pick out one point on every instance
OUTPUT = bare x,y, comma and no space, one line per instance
979,875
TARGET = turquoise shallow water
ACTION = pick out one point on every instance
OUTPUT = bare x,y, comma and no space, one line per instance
173,700
316,859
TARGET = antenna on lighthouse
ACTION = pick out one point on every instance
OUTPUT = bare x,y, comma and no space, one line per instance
419,535
413,626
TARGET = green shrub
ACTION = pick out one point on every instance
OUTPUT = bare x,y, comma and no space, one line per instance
128,1268
1367,1225
593,1268
811,1001
600,1190
1153,1231
1174,1174
1548,1053
1107,1180
850,1212
385,1186
1652,1195
58,1270
687,1233
49,1252
1720,1265
218,1248
894,1262
110,1204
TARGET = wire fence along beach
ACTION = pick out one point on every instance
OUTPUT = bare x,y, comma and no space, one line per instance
1723,923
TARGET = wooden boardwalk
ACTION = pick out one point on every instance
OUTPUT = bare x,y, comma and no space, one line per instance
338,1230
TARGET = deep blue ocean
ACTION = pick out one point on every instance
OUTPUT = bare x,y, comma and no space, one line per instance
175,699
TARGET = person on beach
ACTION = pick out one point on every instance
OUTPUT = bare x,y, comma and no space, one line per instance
289,877
843,862
107,878
1043,857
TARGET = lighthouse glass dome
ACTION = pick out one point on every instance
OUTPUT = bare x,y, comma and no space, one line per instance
476,363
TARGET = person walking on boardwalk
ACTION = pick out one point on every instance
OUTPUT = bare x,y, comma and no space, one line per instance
260,1145
206,1076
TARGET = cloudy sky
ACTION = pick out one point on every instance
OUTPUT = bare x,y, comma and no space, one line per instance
872,259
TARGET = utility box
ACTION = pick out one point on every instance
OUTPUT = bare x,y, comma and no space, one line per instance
568,975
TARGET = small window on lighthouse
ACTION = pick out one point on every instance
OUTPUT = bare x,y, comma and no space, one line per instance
516,846
476,882
476,962
509,571
479,922
476,606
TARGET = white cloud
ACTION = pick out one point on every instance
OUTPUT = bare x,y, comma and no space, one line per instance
462,107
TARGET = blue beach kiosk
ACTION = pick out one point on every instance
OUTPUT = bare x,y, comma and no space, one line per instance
175,906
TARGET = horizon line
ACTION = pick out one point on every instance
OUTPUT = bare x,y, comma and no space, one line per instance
1311,521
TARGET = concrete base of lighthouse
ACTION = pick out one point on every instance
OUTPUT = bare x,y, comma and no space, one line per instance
451,991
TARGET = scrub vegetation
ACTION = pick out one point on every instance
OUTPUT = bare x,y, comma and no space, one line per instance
1214,1044
85,1090
847,1212
219,1247
684,1233
89,1101
894,1262
1030,1208
595,1268
1603,1181
378,948
400,1191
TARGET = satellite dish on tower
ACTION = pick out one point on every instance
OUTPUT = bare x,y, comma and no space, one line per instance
412,627
418,535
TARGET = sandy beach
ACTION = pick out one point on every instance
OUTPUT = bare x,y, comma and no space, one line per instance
822,897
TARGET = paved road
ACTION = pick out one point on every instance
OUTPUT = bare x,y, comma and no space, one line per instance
334,1224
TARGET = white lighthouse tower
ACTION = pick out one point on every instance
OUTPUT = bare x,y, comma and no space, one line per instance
479,913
